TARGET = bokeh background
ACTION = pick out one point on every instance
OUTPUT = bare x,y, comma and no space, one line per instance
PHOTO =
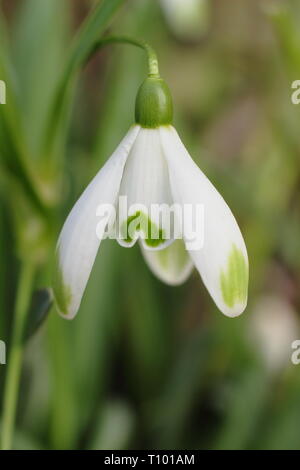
144,365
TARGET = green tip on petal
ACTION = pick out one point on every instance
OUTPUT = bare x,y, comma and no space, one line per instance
153,106
140,222
62,292
234,282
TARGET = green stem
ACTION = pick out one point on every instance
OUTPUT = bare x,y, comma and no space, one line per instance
153,69
15,359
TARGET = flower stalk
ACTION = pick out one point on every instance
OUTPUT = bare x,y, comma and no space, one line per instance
15,358
153,107
153,69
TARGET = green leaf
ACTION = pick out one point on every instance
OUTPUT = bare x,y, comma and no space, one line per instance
114,427
39,49
13,152
286,29
41,304
88,35
244,409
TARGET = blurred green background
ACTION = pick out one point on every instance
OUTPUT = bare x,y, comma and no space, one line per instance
144,365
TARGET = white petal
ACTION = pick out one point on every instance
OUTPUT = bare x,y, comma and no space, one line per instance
82,232
145,186
222,261
171,265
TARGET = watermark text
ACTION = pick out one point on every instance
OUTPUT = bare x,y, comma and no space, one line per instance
2,92
156,224
2,352
295,357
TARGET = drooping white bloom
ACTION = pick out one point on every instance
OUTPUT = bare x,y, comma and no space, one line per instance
188,19
151,167
273,328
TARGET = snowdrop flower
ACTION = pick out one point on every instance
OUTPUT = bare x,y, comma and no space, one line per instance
188,19
273,328
151,166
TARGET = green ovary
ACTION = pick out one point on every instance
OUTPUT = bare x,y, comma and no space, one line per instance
140,222
62,292
234,282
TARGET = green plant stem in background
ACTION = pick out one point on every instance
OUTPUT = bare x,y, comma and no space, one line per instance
15,358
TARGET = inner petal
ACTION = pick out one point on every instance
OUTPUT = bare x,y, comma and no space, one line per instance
145,196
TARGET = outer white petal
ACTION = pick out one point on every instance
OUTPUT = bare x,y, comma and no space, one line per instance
145,184
171,265
222,261
83,229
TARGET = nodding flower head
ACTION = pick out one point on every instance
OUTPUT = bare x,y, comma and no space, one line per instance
151,167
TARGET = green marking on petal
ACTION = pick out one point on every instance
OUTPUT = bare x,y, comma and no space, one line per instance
234,282
140,222
62,292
